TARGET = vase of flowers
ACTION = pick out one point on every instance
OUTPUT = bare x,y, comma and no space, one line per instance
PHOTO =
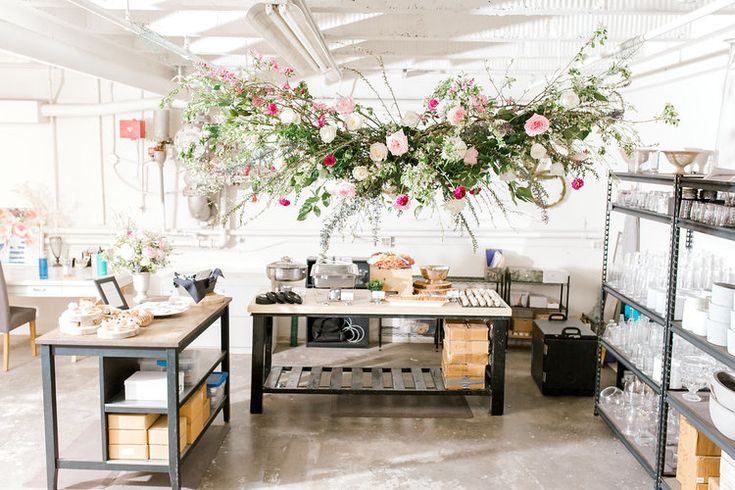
376,291
140,253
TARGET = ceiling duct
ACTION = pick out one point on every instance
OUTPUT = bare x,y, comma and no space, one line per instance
289,28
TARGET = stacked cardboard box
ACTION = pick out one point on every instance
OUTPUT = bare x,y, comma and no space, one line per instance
698,458
465,355
127,434
158,437
196,412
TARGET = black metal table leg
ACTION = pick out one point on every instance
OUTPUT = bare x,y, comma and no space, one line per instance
268,355
256,382
225,346
51,429
172,388
497,366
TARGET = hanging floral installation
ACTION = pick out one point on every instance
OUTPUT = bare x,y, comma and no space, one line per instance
457,154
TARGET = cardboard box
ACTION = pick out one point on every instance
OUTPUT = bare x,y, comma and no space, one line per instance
713,484
194,427
156,451
465,331
465,352
127,451
195,403
694,442
130,421
693,471
122,436
522,325
158,432
149,386
464,385
461,371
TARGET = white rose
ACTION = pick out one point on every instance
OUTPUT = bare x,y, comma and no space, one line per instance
353,122
126,252
145,262
454,149
410,119
557,168
569,99
288,116
538,151
360,173
544,165
328,133
378,152
455,206
508,176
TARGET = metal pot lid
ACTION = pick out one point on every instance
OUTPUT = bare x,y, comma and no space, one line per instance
286,263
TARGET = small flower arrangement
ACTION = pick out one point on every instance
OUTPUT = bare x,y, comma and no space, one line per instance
139,251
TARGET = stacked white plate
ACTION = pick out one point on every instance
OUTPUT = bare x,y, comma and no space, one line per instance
720,318
694,317
727,471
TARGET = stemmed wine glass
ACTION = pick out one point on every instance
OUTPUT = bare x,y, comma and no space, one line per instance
55,243
695,374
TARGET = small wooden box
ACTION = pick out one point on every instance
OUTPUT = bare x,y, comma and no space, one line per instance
131,421
394,280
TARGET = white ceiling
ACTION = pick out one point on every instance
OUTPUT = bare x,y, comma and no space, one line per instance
413,37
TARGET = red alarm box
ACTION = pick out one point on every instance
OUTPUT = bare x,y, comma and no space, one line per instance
133,129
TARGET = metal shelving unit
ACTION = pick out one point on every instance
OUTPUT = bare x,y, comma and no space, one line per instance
696,412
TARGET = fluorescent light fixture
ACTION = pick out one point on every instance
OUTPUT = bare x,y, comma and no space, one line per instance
289,28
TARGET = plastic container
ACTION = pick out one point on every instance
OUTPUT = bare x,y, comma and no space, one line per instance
216,385
43,268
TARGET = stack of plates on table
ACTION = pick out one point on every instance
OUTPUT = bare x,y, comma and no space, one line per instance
695,315
719,328
164,308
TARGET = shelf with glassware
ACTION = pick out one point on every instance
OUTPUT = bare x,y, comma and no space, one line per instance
628,282
701,326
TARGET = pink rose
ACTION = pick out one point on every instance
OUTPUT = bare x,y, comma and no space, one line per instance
455,115
272,109
470,156
284,202
397,143
459,192
150,252
346,105
346,189
577,184
536,125
274,63
401,202
330,160
433,104
257,101
479,102
286,86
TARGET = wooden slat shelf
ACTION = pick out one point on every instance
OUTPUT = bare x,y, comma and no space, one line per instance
360,380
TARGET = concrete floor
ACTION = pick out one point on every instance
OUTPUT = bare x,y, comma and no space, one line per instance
317,442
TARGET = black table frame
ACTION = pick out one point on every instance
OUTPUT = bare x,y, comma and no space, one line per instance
48,374
266,377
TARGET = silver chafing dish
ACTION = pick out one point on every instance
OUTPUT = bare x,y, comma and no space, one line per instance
285,273
334,274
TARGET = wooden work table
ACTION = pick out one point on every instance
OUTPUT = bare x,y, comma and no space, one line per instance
369,380
164,339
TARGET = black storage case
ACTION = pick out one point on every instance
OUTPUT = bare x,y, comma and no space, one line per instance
563,357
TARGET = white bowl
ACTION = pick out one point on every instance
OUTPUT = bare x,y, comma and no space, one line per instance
717,332
723,386
720,314
723,418
722,294
695,320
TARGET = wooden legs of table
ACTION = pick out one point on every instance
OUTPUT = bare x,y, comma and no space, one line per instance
497,365
51,430
6,351
34,347
261,362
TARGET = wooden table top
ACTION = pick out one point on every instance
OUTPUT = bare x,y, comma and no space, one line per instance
170,332
315,303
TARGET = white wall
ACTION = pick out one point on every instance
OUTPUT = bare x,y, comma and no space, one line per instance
84,174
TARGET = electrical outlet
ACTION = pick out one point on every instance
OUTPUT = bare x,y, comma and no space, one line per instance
388,241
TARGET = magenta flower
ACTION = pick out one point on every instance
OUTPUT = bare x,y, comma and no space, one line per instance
401,202
433,104
284,202
330,160
272,109
475,191
536,125
459,192
321,120
577,184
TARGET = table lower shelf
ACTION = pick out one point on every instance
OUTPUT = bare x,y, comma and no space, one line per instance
368,380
